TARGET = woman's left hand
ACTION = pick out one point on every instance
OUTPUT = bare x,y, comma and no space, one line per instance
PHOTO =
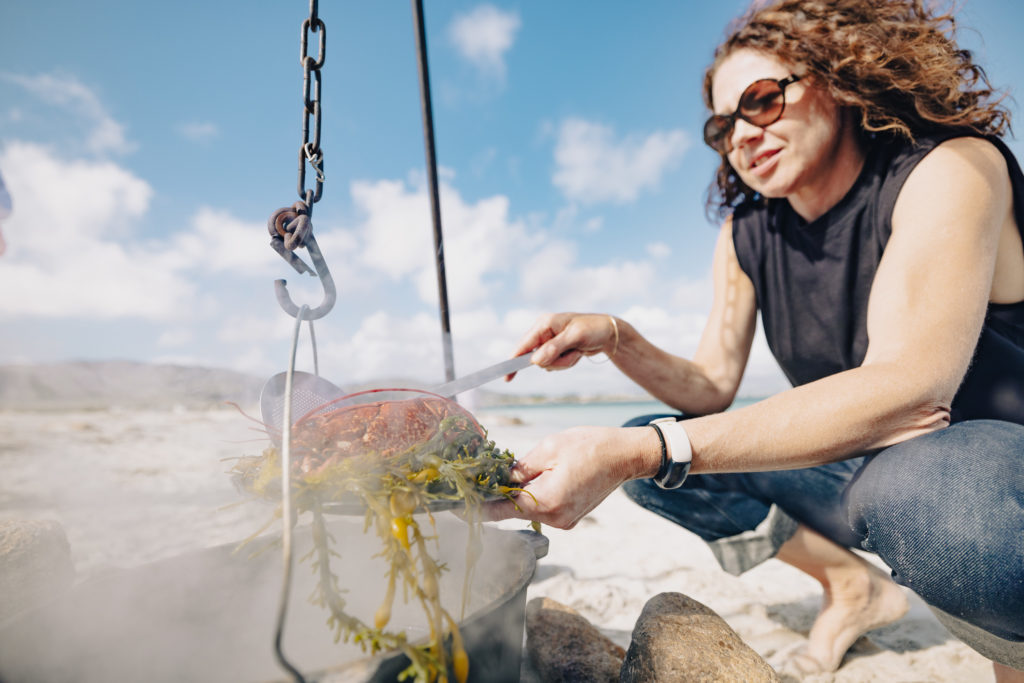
568,474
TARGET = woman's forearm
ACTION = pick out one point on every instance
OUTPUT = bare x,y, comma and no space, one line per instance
676,381
834,418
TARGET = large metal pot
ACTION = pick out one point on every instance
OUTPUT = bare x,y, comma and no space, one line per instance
210,615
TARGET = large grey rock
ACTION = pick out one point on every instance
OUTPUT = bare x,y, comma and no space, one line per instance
35,564
564,647
677,638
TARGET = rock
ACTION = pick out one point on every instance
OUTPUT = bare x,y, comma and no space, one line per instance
563,647
35,563
677,638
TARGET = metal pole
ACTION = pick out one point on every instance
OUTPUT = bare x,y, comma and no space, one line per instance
435,201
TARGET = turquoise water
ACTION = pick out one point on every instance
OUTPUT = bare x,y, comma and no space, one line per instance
558,416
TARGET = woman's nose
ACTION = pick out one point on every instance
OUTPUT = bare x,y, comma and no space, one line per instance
743,132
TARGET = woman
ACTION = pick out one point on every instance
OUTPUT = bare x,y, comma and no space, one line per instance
874,218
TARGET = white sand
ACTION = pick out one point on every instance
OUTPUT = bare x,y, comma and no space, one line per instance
133,487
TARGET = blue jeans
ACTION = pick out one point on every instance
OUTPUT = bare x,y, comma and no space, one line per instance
945,512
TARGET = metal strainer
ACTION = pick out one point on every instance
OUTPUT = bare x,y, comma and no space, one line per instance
309,392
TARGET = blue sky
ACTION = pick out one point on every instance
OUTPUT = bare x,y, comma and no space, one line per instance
145,144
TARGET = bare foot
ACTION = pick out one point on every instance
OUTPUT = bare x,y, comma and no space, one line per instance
858,597
854,603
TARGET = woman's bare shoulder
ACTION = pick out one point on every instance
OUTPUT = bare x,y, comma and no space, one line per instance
966,153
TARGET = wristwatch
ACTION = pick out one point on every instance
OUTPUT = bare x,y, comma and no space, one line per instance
676,453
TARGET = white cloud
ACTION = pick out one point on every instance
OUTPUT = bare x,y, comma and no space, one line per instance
397,232
217,241
102,281
481,241
673,330
59,201
70,247
106,135
198,131
74,250
174,337
568,218
385,346
245,327
763,375
483,36
659,250
691,295
551,278
592,166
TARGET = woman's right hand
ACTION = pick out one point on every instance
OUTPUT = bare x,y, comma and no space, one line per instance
559,340
568,474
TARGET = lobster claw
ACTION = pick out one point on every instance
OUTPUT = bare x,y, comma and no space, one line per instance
291,228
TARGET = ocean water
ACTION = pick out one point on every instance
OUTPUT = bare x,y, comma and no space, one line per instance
559,416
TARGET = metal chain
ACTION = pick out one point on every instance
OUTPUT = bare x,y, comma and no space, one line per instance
310,152
290,227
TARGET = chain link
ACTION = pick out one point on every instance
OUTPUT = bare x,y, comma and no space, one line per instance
310,152
290,227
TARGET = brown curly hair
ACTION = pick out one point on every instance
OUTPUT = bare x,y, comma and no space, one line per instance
894,61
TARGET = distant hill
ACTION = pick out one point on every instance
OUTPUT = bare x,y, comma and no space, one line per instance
101,385
87,385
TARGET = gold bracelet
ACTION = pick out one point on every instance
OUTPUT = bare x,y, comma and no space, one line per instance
615,346
615,327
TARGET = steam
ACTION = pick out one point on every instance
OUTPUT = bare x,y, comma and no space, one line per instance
152,518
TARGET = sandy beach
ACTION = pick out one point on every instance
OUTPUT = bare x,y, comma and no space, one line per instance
131,487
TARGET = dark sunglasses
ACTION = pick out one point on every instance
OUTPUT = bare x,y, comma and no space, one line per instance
760,104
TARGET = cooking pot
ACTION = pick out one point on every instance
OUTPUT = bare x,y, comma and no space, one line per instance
210,615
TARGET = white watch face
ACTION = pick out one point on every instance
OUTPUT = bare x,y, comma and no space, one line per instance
679,449
678,452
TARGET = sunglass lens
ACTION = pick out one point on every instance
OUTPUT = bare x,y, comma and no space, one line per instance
716,129
762,103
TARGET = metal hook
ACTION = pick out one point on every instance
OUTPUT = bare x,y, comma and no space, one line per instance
290,228
330,293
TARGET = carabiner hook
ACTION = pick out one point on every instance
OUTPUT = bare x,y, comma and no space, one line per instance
290,228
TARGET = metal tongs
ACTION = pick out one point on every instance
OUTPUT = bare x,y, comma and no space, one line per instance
311,392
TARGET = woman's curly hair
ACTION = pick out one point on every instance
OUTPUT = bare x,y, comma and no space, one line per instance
895,62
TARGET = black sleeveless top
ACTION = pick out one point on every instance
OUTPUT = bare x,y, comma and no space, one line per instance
812,282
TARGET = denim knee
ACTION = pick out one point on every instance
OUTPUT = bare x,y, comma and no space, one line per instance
945,511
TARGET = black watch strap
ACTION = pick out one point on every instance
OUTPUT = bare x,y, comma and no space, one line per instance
676,454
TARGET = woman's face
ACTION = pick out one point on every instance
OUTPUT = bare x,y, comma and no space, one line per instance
795,152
